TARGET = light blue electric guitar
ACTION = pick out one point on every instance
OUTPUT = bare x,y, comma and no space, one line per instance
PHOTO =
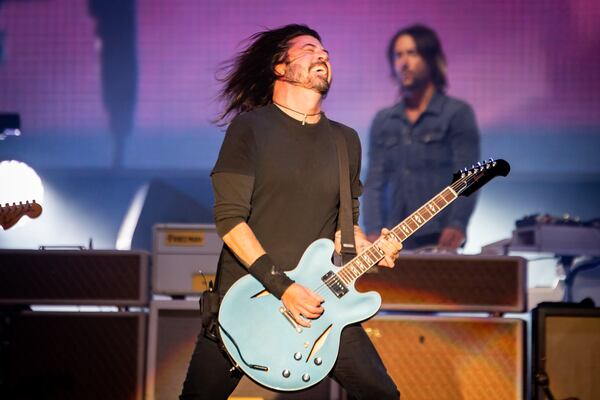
266,343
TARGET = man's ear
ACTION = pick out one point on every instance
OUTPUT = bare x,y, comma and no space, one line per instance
280,69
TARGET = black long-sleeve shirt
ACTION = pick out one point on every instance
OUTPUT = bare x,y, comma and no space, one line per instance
282,179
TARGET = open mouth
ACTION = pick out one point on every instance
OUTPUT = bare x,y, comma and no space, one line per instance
320,69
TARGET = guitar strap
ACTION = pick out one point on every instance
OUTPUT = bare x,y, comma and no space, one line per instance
345,221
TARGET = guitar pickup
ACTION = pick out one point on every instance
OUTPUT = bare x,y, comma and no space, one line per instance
335,284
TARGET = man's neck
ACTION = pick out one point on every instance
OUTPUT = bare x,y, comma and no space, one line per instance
299,99
418,99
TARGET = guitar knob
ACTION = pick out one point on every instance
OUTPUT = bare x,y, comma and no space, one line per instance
286,373
306,377
318,361
297,356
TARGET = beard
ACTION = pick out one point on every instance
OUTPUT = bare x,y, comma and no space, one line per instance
419,80
298,76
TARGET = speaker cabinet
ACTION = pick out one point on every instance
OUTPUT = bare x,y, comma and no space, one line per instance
72,355
566,351
451,358
174,326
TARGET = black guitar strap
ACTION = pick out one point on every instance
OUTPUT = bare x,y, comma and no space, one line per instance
345,222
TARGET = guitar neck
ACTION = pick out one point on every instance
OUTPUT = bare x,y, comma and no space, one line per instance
373,254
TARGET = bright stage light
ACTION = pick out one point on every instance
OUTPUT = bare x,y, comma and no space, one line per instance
19,183
125,236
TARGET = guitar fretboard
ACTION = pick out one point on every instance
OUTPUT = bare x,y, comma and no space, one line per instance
373,254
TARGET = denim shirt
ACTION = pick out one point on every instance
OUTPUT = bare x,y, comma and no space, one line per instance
411,163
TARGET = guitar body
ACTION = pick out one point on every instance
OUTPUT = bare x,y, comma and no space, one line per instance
256,332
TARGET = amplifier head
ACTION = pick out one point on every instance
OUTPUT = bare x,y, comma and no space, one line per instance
98,277
450,283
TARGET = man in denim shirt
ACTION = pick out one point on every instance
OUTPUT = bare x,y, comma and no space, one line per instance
417,144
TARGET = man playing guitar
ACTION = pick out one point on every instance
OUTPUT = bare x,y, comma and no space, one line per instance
276,188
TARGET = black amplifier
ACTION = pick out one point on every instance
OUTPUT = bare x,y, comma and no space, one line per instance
83,277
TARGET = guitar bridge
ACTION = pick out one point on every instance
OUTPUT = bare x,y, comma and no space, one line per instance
335,284
288,315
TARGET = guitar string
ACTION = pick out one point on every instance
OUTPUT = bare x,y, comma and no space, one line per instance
455,186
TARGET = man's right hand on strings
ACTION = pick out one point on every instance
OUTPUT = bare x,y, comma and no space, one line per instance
303,303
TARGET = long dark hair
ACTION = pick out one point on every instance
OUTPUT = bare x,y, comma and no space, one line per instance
429,47
250,76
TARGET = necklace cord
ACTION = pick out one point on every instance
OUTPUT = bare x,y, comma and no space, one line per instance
305,115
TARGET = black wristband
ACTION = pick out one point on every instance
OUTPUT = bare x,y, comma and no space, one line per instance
271,277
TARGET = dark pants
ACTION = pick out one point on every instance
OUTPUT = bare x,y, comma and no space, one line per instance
358,369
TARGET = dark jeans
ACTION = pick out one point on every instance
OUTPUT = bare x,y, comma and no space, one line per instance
358,369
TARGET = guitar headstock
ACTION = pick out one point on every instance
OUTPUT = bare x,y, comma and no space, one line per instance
11,214
469,180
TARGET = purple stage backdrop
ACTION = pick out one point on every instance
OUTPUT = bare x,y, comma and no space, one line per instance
530,65
531,70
